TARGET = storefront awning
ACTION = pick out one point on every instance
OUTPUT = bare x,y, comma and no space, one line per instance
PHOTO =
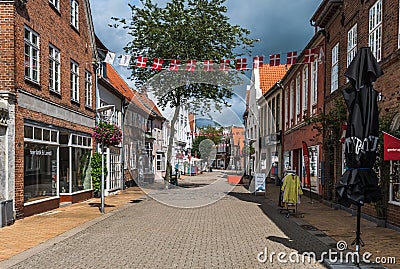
391,147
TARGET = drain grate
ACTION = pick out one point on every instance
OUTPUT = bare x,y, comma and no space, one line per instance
309,227
320,235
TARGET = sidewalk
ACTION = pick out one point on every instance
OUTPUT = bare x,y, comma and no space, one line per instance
320,220
341,225
34,230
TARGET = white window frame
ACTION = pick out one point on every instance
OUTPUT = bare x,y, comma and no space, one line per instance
74,14
398,36
305,88
55,3
351,44
88,89
32,55
291,104
375,29
54,69
314,82
335,68
298,78
74,81
287,105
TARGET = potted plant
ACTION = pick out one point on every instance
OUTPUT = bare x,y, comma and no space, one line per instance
107,134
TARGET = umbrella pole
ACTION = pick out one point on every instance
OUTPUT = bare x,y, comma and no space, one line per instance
358,241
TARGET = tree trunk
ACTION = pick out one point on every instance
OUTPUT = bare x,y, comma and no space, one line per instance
168,169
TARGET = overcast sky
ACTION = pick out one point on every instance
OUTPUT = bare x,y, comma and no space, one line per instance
281,25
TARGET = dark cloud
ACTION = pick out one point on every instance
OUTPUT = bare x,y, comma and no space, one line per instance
281,25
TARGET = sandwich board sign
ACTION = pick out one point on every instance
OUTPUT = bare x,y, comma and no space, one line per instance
259,180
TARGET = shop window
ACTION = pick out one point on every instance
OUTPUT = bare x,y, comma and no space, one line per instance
394,193
40,171
28,132
74,163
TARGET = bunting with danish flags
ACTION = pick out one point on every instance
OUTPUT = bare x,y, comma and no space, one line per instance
191,65
291,58
208,65
174,65
141,62
258,61
241,64
274,59
224,65
157,64
309,56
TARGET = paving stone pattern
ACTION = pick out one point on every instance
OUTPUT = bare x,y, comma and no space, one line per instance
227,234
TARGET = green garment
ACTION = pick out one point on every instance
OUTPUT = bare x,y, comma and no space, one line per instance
291,189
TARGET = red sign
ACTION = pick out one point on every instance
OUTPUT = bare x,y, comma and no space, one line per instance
391,147
306,163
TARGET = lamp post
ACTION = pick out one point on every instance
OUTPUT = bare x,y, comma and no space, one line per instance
98,113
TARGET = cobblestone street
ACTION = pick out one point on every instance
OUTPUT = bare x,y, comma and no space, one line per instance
147,234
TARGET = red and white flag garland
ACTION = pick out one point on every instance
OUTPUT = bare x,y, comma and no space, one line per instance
224,65
157,64
191,65
208,65
291,58
241,64
141,62
274,59
174,65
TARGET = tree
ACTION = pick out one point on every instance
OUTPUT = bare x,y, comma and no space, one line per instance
207,132
185,30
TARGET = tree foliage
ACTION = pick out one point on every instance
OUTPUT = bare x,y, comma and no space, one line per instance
185,30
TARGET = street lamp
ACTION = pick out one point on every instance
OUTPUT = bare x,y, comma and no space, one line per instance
99,116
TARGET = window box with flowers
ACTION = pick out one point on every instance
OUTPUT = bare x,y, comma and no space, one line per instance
107,134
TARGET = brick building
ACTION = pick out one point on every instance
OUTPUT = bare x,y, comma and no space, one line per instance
48,55
350,25
302,97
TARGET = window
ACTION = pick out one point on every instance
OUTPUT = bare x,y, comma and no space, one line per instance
74,14
351,44
375,29
335,68
298,94
74,81
278,112
55,3
54,69
287,106
291,112
31,55
398,38
394,187
88,89
314,82
160,162
305,88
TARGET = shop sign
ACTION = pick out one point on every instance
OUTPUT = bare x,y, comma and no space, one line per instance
41,152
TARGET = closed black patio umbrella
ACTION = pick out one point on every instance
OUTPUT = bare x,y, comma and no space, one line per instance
359,184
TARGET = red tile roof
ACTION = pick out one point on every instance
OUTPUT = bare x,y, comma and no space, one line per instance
118,82
269,75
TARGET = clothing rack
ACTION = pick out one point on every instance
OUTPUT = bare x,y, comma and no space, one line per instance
289,195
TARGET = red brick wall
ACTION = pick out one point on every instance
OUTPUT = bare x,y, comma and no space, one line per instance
393,214
7,46
53,27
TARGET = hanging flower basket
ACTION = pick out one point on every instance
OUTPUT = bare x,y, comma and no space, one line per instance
109,134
